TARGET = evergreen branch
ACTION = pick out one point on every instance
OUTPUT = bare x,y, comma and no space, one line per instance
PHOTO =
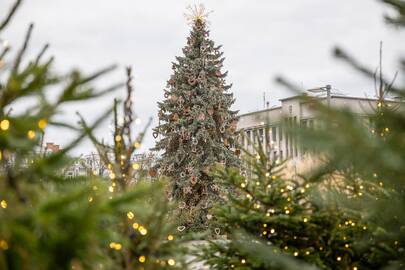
10,14
20,54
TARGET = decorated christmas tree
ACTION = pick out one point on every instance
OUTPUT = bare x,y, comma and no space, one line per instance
196,125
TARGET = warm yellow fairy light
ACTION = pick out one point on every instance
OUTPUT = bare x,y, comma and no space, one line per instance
264,225
142,259
31,134
248,196
272,230
116,246
286,247
354,268
136,166
243,261
137,145
42,124
267,174
287,212
339,259
170,237
243,185
364,227
3,244
307,252
90,199
258,157
347,245
142,230
111,189
264,232
130,215
118,138
296,253
3,204
112,175
135,226
273,177
305,219
171,262
95,187
4,124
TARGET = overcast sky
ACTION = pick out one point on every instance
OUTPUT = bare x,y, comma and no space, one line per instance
260,38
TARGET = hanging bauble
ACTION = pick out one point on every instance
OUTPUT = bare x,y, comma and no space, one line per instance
226,142
237,152
209,216
217,231
186,110
166,94
218,73
182,174
222,129
175,117
152,172
182,205
193,180
210,111
194,141
192,81
201,116
194,149
187,190
215,187
155,134
201,76
181,228
171,81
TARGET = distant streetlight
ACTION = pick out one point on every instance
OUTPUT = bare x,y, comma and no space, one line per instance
323,89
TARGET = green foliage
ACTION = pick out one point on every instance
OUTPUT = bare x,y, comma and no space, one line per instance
197,127
51,222
287,219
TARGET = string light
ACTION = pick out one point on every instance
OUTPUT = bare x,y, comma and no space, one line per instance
3,204
339,259
42,123
305,219
170,237
130,215
136,166
116,246
137,145
296,253
3,244
243,261
142,259
142,230
243,185
4,124
31,134
171,262
135,226
111,189
118,138
90,199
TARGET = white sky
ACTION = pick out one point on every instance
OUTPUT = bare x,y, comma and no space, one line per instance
260,38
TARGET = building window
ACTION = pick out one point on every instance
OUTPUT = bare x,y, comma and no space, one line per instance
248,137
274,134
290,109
280,133
261,135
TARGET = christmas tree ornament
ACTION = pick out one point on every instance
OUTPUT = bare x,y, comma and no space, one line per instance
155,134
201,117
192,81
166,94
152,172
182,205
193,180
218,73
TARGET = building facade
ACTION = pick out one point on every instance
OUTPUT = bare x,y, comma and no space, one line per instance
267,125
